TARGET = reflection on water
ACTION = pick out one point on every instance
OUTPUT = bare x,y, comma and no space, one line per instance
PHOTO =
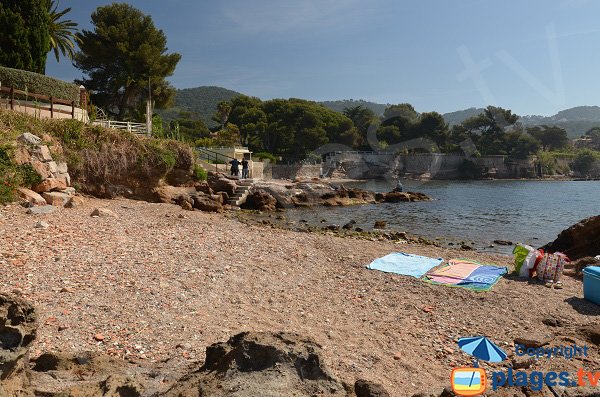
533,212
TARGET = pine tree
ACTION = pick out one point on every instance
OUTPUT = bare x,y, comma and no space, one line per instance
24,35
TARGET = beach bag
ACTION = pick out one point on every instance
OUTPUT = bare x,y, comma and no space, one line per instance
551,267
520,252
531,263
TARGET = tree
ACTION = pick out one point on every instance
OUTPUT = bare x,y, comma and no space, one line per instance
24,34
62,33
123,57
488,129
594,133
362,118
223,110
585,162
551,138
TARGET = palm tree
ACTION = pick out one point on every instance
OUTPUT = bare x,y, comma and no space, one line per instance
62,33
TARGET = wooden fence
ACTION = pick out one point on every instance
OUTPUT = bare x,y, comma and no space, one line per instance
41,102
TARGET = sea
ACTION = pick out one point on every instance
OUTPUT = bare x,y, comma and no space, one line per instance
472,212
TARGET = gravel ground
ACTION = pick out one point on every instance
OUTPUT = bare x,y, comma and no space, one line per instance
156,283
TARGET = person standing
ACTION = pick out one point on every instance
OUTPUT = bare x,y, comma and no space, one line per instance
235,167
245,169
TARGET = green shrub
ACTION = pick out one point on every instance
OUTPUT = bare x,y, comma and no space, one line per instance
29,176
12,175
39,84
265,155
199,173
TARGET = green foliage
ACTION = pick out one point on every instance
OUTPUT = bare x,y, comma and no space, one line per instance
551,138
13,175
594,133
199,173
341,105
39,84
61,32
205,142
24,34
265,156
122,56
157,125
402,124
229,136
586,163
70,133
290,128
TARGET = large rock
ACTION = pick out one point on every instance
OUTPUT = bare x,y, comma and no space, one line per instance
103,213
208,203
57,199
365,388
50,184
579,240
29,139
260,200
18,326
43,153
218,182
43,169
42,210
396,197
262,364
31,197
171,194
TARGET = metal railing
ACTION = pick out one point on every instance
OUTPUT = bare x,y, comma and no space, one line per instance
136,128
211,156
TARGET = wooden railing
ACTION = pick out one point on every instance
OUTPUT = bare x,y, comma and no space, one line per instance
42,102
136,128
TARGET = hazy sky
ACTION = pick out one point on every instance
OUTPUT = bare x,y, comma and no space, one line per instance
533,56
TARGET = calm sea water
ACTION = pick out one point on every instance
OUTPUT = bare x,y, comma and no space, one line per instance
478,212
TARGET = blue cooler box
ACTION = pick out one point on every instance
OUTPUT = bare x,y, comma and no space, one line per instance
591,284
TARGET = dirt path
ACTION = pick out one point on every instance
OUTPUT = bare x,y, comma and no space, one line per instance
156,282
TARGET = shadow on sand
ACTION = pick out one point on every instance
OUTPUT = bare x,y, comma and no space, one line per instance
583,306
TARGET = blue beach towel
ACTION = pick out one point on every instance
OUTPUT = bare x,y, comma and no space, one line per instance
405,264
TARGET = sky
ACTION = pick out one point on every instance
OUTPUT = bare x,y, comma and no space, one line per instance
533,56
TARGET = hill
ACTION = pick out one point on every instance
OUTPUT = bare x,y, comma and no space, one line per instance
340,105
576,121
201,101
461,115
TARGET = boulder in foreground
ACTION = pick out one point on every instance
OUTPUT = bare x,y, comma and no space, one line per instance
578,241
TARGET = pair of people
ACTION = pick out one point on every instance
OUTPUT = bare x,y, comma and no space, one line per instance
235,168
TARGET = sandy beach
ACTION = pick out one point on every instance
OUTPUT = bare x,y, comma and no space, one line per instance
155,282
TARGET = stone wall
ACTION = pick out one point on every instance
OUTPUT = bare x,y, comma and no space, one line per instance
427,165
283,171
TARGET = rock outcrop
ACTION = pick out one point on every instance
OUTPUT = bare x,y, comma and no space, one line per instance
18,325
53,189
579,240
247,365
264,364
314,193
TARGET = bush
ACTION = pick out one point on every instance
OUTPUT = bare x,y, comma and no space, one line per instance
199,173
586,163
38,84
265,155
12,175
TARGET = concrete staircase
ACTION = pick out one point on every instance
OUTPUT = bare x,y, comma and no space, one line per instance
241,193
